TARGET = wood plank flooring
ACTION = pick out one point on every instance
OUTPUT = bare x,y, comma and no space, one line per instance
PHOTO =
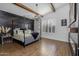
43,47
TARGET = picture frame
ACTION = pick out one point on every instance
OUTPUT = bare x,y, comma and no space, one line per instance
64,22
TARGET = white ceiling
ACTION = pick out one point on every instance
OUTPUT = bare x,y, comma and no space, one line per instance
42,8
11,8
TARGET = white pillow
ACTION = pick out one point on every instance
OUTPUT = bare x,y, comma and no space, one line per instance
16,30
28,31
20,32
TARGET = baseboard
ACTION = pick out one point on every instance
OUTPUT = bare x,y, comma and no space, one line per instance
55,40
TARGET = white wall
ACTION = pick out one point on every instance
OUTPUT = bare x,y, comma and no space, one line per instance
61,32
37,25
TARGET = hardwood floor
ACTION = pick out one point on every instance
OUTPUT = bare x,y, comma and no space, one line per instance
43,47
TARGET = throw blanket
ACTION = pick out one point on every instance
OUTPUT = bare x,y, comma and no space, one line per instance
35,35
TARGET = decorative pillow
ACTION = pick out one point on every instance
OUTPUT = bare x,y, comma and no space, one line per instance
16,30
28,31
20,31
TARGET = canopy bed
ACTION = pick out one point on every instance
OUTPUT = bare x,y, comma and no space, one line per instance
25,36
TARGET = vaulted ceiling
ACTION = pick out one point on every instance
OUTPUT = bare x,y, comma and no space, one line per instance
40,8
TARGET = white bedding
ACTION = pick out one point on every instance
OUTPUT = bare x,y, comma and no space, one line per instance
20,35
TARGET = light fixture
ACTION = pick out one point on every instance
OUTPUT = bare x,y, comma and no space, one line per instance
36,4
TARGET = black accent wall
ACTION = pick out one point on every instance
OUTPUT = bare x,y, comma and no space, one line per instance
7,19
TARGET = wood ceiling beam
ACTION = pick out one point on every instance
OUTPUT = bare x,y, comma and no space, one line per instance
26,8
53,7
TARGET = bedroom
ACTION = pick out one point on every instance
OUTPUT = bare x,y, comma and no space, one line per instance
39,29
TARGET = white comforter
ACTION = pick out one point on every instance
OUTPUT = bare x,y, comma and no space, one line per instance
20,34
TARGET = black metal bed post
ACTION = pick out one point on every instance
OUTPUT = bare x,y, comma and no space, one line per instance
12,28
78,28
24,37
12,33
78,38
24,34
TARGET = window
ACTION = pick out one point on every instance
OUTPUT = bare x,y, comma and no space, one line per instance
48,26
